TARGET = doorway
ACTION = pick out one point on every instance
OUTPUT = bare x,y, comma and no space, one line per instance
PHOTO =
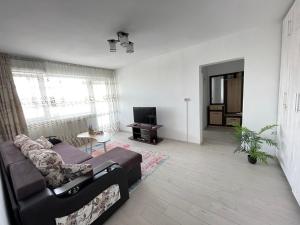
222,102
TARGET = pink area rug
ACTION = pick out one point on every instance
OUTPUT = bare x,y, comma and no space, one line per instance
151,159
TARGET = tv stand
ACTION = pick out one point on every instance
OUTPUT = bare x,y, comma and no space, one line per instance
145,133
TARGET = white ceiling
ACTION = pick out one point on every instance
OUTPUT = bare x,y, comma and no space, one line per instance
76,31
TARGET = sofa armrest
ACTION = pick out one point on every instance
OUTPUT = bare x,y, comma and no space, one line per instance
104,166
75,185
72,187
45,206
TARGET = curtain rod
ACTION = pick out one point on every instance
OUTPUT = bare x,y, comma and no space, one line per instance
29,58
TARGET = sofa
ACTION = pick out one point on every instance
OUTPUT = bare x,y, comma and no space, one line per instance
88,199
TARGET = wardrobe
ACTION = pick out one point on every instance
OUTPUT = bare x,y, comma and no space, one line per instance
289,100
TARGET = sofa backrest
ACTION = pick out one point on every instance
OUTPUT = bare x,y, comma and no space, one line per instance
71,154
25,178
10,154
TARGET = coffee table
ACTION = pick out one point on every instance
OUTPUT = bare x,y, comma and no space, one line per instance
99,138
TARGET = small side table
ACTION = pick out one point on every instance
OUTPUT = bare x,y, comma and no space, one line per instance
146,133
99,138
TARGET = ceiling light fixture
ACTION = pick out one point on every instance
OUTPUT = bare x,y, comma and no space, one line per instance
130,48
123,38
124,42
112,45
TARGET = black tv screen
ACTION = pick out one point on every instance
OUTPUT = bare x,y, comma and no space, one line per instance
145,115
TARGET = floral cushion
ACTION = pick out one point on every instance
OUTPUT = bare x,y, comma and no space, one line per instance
20,139
48,162
45,159
30,145
43,141
91,211
52,166
71,171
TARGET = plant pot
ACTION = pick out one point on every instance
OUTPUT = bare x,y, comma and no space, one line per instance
251,160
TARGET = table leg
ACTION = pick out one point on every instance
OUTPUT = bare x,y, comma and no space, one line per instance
91,147
105,146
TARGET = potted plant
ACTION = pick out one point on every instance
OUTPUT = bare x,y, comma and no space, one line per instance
251,143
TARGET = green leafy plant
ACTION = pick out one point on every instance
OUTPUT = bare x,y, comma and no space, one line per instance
251,142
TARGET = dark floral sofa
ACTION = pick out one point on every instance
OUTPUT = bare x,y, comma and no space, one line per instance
87,199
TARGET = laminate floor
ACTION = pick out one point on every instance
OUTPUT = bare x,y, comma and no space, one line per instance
208,185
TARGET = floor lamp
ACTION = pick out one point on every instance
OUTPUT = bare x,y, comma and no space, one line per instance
187,118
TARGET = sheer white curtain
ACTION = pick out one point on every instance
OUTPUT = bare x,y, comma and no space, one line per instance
63,99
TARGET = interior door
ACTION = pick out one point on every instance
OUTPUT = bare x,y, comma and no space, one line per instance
285,96
282,89
234,93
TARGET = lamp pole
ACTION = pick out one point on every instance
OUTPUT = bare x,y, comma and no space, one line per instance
187,118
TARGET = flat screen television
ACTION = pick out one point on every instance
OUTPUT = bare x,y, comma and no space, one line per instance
145,115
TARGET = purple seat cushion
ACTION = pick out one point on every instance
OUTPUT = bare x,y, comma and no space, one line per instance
26,179
125,158
10,154
70,154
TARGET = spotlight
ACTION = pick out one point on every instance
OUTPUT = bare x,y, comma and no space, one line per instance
123,38
112,45
130,48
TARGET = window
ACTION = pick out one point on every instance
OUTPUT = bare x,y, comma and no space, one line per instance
64,91
29,93
63,100
100,102
67,96
53,97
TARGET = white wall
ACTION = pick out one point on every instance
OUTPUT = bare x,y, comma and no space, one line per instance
164,81
216,69
225,67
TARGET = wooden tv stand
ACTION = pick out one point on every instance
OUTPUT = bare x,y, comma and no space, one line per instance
145,133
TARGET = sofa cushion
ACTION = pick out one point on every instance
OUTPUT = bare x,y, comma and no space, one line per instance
20,139
10,154
26,179
72,171
30,145
125,158
70,154
49,163
56,172
44,142
45,159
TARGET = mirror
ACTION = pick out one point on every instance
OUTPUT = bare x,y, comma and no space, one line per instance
217,90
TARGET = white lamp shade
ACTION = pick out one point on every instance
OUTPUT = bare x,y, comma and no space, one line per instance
112,45
130,47
123,38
